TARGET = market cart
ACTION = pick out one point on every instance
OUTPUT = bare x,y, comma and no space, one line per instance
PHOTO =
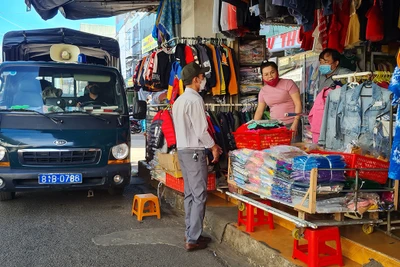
308,204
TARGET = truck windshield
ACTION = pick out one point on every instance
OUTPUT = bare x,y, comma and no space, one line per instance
59,89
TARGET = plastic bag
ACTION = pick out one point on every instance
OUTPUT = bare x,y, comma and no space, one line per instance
285,153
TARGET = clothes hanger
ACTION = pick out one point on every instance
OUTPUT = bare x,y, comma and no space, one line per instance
353,84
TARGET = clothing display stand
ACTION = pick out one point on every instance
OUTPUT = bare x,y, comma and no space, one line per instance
308,205
394,185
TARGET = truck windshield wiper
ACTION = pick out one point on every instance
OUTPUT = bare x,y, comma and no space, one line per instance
53,119
90,114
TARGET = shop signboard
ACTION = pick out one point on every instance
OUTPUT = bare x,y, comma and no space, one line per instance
148,43
284,41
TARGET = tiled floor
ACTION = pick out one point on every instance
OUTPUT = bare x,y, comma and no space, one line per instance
355,243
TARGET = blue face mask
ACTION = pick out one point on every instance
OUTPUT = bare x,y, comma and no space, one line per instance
325,69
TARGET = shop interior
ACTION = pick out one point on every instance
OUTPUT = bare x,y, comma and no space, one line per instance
322,181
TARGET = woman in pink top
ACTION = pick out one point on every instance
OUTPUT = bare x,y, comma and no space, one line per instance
280,95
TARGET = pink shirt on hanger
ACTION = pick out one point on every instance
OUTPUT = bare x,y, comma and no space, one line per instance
317,112
279,100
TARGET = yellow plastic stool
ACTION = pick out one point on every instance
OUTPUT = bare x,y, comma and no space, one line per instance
139,209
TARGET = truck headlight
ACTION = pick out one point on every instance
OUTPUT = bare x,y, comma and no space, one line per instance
2,153
120,151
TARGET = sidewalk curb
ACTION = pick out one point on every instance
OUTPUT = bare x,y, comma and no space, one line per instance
218,222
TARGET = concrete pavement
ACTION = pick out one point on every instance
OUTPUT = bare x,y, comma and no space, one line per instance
70,229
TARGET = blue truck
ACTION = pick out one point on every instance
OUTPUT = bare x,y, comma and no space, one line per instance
55,133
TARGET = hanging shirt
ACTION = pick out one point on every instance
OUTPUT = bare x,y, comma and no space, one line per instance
189,57
180,54
233,85
212,76
216,11
334,33
221,72
175,84
375,26
320,33
150,68
162,67
353,32
232,17
224,21
216,90
344,19
279,99
316,113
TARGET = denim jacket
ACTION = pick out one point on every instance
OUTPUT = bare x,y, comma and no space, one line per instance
347,116
359,114
330,122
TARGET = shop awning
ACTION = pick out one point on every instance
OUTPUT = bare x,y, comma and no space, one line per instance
85,9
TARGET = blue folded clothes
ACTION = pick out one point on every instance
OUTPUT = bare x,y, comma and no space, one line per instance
307,163
302,165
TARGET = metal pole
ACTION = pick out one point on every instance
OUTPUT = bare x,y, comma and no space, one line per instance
299,222
356,193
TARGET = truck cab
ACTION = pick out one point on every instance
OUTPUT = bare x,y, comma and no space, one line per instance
63,125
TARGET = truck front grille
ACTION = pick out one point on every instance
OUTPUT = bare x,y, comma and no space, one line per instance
59,156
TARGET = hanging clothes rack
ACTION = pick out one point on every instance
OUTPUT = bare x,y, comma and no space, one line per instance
352,75
198,39
233,105
359,74
394,184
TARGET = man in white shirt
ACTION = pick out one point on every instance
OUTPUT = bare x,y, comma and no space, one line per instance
192,139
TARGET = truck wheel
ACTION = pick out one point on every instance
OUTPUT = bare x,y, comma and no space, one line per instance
7,196
116,191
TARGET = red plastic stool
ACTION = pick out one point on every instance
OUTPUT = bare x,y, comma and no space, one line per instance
252,216
316,246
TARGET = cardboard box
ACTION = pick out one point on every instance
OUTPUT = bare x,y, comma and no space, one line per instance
170,163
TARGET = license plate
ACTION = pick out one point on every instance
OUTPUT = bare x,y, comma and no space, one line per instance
60,178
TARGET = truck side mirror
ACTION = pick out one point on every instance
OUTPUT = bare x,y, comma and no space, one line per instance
139,110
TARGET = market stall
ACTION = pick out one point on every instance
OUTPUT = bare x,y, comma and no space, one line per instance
351,187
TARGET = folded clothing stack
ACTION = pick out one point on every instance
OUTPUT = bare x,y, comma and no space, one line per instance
281,190
302,166
241,155
282,160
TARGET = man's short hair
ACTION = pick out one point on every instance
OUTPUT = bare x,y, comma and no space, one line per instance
330,52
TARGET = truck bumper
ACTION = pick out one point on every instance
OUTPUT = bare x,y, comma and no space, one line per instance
17,180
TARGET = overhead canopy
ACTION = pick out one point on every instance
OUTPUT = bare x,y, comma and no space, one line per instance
86,9
31,44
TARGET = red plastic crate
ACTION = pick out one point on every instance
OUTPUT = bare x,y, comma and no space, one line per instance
262,139
371,163
354,161
178,184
